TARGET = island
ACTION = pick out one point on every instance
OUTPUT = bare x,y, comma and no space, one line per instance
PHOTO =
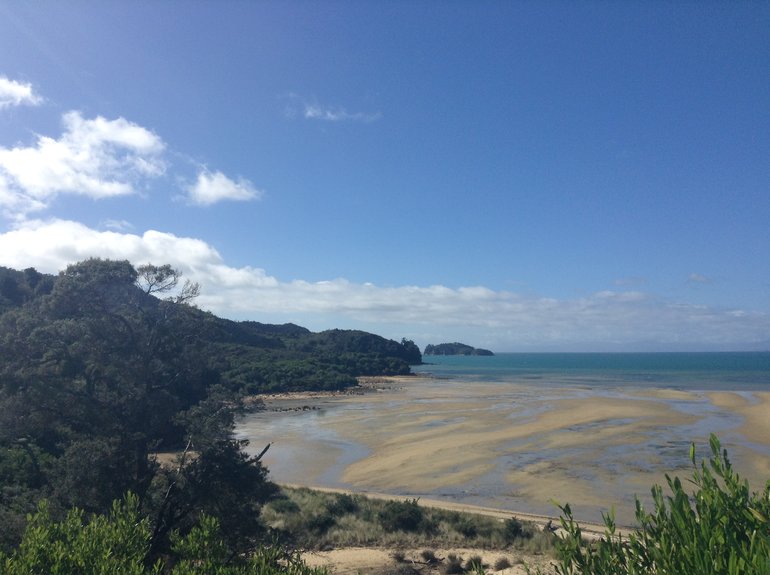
455,349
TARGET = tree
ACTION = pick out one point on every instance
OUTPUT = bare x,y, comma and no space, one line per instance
94,378
411,353
118,542
154,279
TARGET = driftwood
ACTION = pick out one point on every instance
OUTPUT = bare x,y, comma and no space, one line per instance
261,453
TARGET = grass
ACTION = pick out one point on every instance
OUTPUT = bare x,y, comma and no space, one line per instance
318,520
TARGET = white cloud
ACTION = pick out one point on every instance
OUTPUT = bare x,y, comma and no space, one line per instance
211,188
97,158
315,111
497,319
119,225
13,93
51,245
329,114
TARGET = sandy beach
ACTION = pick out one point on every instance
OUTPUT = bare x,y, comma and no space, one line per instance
522,450
364,560
361,560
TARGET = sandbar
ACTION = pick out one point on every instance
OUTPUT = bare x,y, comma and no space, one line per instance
523,448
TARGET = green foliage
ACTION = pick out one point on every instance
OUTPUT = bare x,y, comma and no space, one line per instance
515,529
284,505
722,528
97,373
405,516
454,565
115,543
341,504
474,564
201,550
467,527
119,543
17,288
455,348
297,513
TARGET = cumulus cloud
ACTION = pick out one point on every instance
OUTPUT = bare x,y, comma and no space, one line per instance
51,245
211,188
96,157
497,319
13,93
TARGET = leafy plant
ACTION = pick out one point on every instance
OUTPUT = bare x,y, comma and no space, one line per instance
113,543
405,516
722,528
371,521
454,565
120,541
475,564
514,529
342,504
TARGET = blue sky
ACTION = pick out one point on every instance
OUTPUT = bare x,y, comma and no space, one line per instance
514,175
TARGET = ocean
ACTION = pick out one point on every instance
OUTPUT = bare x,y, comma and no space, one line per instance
727,371
520,431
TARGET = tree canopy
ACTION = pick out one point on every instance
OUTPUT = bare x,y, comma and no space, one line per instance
105,366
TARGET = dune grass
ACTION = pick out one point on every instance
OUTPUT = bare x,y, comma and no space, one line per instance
316,520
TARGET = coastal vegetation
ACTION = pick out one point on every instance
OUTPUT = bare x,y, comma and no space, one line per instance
454,349
311,519
117,404
106,367
119,540
721,528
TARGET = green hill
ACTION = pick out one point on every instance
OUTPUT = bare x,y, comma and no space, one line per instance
105,365
455,349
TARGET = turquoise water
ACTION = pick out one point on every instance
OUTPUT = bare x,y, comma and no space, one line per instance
728,371
512,390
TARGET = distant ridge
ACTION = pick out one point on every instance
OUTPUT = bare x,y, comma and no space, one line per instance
455,348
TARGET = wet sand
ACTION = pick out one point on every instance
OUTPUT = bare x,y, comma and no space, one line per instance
514,448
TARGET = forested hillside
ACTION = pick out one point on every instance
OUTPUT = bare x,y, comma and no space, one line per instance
455,349
105,365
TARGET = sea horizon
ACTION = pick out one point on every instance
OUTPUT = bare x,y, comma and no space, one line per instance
709,370
519,430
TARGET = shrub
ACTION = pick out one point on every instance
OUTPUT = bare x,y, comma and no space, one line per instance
502,563
342,504
405,516
454,565
466,527
321,523
721,529
475,564
514,529
118,543
284,505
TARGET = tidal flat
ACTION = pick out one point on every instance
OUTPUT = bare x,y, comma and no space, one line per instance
519,447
